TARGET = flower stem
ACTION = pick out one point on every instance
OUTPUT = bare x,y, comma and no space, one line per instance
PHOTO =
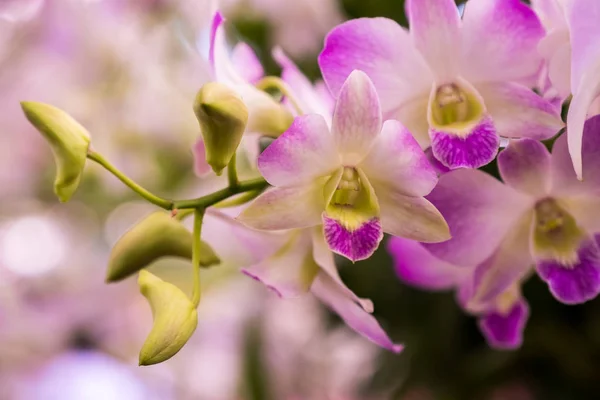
273,82
196,246
152,198
232,176
220,195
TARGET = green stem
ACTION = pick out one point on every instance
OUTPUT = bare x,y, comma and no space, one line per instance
243,198
196,246
214,198
232,172
273,82
152,198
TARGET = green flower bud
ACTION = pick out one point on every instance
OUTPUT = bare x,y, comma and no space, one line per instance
156,236
175,319
69,141
269,117
222,116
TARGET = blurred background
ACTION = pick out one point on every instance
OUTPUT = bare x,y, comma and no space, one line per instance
128,70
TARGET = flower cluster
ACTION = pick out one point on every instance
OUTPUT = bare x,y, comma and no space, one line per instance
390,142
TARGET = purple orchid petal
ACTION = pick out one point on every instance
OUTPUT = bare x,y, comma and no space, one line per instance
435,29
439,168
214,28
518,112
357,118
396,159
384,51
564,180
356,245
505,330
574,284
301,154
201,167
583,17
331,293
246,63
495,34
416,266
473,150
480,211
525,165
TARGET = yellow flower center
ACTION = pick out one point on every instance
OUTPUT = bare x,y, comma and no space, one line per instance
454,108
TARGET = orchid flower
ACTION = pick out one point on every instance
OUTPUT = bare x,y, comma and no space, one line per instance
358,179
542,215
501,320
453,83
292,263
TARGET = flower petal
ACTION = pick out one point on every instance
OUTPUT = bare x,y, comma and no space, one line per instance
285,208
291,270
410,217
309,99
582,17
223,69
396,159
324,257
564,180
473,150
413,115
525,165
507,265
505,330
495,34
330,293
201,167
384,51
480,211
356,118
418,267
301,154
246,63
355,244
435,29
518,112
574,284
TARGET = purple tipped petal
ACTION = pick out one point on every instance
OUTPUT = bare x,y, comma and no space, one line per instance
474,150
301,154
357,118
247,63
333,295
495,34
525,165
480,211
505,330
356,245
416,266
216,23
574,284
435,29
517,111
382,49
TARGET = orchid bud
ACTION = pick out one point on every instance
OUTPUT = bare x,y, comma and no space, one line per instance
175,319
69,142
222,116
269,118
157,236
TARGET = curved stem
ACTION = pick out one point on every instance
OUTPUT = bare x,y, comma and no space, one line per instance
232,172
196,247
243,198
214,198
273,82
152,198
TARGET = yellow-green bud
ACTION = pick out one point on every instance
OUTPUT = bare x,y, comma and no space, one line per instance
222,116
175,319
69,141
158,235
269,117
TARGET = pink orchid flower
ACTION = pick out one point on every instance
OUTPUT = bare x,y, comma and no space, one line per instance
502,320
542,215
455,84
358,179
